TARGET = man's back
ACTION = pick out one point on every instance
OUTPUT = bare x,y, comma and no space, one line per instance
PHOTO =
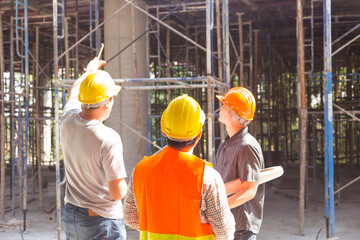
168,192
89,147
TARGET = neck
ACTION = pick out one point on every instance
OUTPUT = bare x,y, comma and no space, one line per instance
232,129
93,114
188,150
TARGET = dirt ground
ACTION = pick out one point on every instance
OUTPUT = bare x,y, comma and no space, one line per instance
281,214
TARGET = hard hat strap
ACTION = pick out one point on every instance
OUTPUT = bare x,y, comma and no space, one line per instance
241,120
95,105
179,140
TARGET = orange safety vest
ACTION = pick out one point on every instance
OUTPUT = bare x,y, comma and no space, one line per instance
168,189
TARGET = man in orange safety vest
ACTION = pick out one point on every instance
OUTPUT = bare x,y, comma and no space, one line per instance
173,194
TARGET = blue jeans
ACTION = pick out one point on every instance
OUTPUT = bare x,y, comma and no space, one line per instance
80,226
244,235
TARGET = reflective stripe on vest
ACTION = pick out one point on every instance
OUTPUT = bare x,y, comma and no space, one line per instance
168,189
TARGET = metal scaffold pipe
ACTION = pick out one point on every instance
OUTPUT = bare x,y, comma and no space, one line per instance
303,113
328,118
57,138
95,29
210,102
2,124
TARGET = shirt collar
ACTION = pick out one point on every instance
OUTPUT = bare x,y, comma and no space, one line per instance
236,136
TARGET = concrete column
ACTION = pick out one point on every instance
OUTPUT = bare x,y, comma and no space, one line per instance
118,34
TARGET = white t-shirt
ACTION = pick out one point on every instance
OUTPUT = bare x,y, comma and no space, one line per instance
93,155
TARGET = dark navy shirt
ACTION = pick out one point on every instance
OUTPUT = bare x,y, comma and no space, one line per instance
241,157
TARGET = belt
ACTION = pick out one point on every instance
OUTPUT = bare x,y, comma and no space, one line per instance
92,213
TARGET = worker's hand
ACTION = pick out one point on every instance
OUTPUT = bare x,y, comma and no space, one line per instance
95,64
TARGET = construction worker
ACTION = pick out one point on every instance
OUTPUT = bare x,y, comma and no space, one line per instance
240,157
174,194
93,157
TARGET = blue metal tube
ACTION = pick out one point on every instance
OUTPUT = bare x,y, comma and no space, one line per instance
328,117
26,112
90,24
97,40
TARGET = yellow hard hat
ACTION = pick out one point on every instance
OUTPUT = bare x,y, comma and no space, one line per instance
97,87
183,119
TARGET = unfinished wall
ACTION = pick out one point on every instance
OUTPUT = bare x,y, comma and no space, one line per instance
118,34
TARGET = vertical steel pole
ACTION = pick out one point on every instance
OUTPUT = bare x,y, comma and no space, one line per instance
219,41
209,28
148,75
167,60
303,113
26,111
220,55
56,82
76,75
241,47
251,72
255,88
67,55
329,151
226,40
3,126
256,63
37,109
98,31
12,117
135,67
90,25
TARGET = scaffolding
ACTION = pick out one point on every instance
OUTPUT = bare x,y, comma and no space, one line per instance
196,47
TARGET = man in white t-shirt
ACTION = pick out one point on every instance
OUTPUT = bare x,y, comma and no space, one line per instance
93,156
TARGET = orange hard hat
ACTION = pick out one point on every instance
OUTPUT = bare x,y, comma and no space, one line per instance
241,101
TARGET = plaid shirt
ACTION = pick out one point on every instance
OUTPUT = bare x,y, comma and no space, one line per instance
214,208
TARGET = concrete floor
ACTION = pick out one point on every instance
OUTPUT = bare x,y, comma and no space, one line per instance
281,214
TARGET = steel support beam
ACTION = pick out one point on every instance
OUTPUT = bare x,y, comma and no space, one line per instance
328,118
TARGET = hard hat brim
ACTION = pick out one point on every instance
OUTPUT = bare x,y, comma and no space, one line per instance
220,98
117,89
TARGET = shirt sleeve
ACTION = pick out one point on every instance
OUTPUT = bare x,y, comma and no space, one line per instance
113,160
249,164
131,214
72,104
214,208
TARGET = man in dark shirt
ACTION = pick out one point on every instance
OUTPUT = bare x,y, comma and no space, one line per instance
240,157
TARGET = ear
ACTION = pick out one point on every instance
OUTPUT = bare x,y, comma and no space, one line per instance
199,136
108,104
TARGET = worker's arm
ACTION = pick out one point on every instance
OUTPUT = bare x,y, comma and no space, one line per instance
214,208
131,213
246,192
266,175
117,188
